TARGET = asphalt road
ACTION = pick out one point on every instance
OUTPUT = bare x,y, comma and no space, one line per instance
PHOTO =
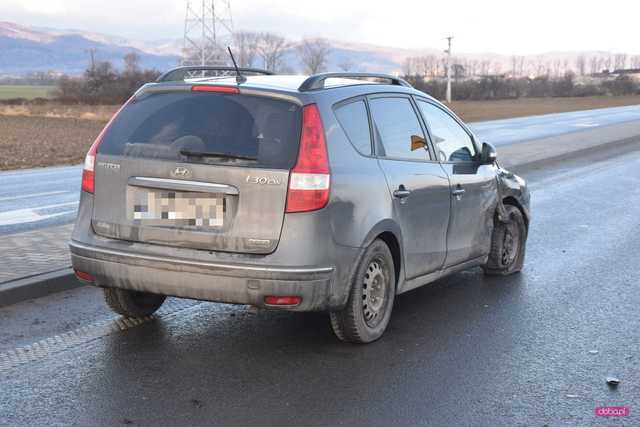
43,197
38,198
531,349
524,129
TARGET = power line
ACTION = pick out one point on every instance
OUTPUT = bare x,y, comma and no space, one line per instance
208,30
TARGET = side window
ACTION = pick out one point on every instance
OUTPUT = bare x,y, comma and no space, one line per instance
451,141
398,129
354,120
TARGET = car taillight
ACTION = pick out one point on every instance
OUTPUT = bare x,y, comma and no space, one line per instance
309,181
88,171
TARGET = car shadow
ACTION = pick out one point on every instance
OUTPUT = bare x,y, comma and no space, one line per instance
239,363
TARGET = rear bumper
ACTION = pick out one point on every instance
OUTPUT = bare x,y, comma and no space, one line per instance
210,281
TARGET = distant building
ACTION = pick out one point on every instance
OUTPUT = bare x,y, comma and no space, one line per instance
634,73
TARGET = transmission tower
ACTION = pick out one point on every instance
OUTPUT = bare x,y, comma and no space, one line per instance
208,30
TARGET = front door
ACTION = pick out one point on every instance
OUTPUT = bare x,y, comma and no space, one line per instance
418,185
473,186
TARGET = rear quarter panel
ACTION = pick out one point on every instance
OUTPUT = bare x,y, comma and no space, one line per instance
359,198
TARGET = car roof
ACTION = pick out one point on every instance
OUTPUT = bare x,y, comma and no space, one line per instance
336,86
289,83
285,83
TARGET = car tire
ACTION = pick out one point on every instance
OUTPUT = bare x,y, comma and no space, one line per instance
132,303
366,315
508,243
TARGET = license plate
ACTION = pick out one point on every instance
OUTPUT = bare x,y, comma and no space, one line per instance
176,208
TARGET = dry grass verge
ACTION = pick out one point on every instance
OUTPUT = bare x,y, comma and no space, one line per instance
27,142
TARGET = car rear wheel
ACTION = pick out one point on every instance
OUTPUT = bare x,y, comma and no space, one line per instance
132,303
507,244
368,310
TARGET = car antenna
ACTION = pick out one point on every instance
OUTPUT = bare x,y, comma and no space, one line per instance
239,77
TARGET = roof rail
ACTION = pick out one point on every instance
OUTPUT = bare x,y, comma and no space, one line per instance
180,73
316,81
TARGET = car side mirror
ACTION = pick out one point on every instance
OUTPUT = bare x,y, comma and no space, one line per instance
489,154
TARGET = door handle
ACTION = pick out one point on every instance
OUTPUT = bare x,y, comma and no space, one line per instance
458,191
401,192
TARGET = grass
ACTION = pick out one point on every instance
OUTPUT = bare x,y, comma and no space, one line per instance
25,91
477,111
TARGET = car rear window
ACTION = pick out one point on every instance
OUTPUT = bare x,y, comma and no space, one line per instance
261,132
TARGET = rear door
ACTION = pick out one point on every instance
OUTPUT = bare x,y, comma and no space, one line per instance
473,186
201,170
418,185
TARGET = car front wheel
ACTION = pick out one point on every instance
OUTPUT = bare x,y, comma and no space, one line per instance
507,244
368,310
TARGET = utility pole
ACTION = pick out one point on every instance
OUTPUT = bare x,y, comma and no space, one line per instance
448,52
208,30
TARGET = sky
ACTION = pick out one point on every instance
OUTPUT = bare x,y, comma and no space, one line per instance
479,26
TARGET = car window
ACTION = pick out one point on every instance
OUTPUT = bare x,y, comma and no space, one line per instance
397,129
166,125
451,141
354,120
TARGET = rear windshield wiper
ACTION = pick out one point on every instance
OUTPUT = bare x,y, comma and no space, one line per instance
215,154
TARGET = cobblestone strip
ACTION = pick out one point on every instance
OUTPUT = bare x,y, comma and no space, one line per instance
52,345
34,252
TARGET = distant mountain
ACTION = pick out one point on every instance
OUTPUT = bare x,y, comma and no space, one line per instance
24,50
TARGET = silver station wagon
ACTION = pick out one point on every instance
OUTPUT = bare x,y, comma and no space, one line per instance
332,192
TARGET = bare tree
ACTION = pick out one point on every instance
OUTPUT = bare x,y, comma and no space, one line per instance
620,61
472,66
271,49
409,66
520,66
557,66
458,71
430,63
441,67
593,65
313,54
246,48
635,61
484,67
540,67
581,64
131,63
346,65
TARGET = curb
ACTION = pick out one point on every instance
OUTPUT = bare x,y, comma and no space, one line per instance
37,286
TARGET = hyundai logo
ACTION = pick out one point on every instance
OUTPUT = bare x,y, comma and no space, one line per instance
181,172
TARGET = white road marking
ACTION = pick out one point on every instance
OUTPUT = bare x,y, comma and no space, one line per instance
26,196
586,125
21,216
